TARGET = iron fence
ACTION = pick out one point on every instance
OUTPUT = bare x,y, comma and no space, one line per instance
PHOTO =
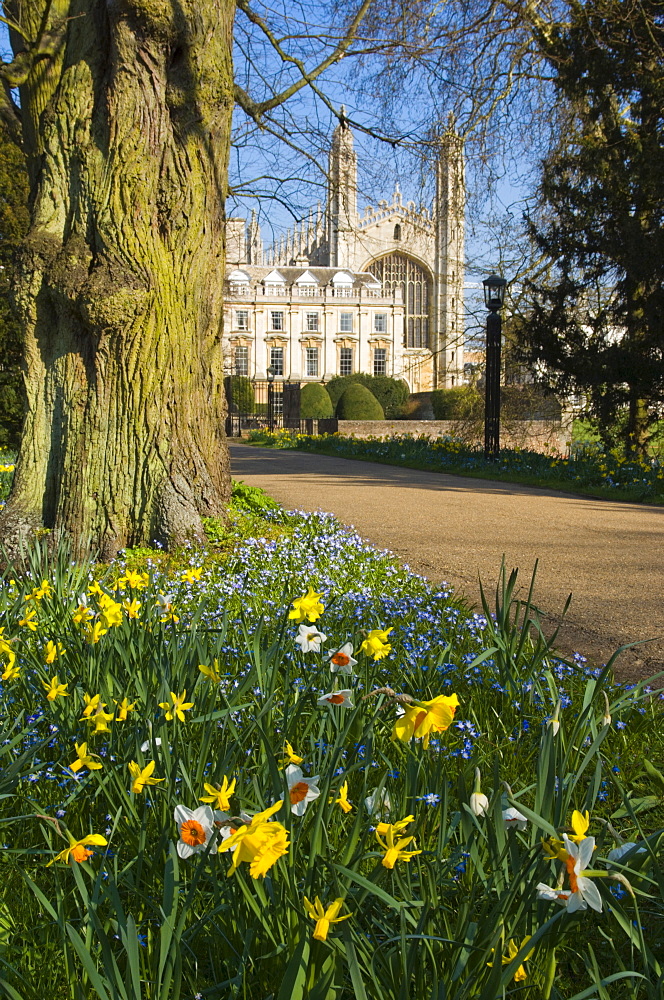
256,404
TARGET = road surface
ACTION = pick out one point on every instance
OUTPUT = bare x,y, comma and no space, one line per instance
610,556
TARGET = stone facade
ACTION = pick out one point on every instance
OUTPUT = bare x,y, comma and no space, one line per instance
380,293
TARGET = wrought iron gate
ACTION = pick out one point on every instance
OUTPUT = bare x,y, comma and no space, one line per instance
252,405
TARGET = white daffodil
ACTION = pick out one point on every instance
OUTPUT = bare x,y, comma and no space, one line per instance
378,804
195,827
582,892
513,819
479,803
342,661
301,790
337,698
309,638
148,744
618,853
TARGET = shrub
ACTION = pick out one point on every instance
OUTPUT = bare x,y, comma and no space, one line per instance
241,393
391,393
462,402
315,402
358,403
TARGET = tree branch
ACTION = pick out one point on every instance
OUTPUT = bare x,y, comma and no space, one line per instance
255,109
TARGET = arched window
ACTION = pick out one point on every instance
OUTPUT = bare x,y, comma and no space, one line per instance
397,232
398,271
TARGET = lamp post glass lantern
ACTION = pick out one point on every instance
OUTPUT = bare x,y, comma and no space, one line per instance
494,296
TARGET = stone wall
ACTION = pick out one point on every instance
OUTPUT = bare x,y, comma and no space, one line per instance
545,436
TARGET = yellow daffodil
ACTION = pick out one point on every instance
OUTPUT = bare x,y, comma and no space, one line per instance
342,801
28,620
212,673
191,575
132,608
554,849
92,704
95,589
111,612
135,581
308,607
82,614
424,717
78,849
176,707
7,653
290,757
45,590
324,918
54,689
11,672
52,650
260,843
394,849
100,721
123,709
580,824
376,643
93,633
142,776
85,759
220,796
513,950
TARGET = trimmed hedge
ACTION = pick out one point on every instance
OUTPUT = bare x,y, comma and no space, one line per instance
315,402
358,403
391,393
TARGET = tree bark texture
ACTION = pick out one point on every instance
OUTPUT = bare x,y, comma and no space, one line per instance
127,131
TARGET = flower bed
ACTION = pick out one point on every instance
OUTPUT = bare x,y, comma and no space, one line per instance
254,775
592,472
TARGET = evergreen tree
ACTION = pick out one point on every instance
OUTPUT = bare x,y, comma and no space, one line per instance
14,219
595,325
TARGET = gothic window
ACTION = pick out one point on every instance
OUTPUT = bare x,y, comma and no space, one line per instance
398,271
397,232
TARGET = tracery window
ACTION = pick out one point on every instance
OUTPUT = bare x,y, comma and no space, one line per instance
398,271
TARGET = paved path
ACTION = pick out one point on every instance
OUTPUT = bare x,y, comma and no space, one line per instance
609,555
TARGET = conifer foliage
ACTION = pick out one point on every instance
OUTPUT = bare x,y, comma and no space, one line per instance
595,325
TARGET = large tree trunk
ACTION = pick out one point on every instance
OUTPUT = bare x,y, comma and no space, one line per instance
127,131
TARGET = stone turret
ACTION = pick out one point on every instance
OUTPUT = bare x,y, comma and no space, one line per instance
342,195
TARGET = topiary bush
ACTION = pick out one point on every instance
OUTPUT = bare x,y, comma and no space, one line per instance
462,402
241,393
358,403
315,402
391,393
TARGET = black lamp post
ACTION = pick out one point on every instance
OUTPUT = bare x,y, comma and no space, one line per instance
271,372
494,295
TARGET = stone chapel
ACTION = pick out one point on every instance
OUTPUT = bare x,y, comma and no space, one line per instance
380,292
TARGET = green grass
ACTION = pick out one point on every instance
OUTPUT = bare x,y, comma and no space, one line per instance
589,474
137,921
